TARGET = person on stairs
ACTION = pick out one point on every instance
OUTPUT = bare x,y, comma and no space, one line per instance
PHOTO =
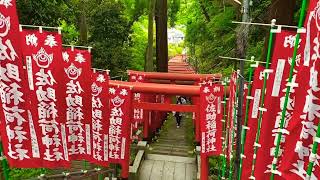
178,115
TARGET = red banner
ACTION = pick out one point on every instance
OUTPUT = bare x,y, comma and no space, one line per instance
120,125
42,52
211,112
77,67
231,114
305,119
100,118
275,97
253,115
138,114
20,146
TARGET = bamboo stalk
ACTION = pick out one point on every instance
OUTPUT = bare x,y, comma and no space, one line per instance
224,170
263,97
4,164
244,131
224,132
314,151
284,110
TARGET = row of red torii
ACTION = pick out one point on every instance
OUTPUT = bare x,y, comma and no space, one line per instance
167,84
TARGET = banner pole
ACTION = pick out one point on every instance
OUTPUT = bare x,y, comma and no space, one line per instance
265,77
233,128
284,110
224,132
314,151
4,164
244,130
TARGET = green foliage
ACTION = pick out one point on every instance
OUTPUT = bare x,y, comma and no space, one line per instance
175,49
110,37
207,41
18,174
174,7
41,12
215,164
135,8
69,32
139,43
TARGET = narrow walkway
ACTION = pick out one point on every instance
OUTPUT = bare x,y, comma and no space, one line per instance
174,141
164,167
171,156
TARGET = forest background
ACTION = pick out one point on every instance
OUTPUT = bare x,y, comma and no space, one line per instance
118,29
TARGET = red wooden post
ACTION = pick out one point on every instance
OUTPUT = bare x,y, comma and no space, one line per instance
154,119
146,117
125,170
197,120
204,167
193,118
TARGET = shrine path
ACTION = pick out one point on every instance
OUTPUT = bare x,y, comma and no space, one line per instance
171,157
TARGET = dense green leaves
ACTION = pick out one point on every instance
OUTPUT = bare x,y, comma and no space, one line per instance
109,37
174,7
207,40
42,12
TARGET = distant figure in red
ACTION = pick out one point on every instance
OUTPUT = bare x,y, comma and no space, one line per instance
178,115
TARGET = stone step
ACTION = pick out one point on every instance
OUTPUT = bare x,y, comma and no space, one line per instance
170,145
174,153
169,149
172,136
172,141
178,159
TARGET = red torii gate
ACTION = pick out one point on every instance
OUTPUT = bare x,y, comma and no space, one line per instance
176,78
170,89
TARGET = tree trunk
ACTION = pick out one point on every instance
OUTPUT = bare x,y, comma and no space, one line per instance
162,35
83,24
149,59
204,10
283,12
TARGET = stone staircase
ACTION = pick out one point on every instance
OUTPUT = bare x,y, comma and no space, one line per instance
164,167
171,155
173,140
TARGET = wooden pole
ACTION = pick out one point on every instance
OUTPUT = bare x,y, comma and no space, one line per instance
242,41
204,167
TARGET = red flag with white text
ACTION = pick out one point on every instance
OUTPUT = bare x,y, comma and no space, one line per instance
253,115
42,51
100,118
18,136
211,112
138,114
77,68
305,118
120,124
274,101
